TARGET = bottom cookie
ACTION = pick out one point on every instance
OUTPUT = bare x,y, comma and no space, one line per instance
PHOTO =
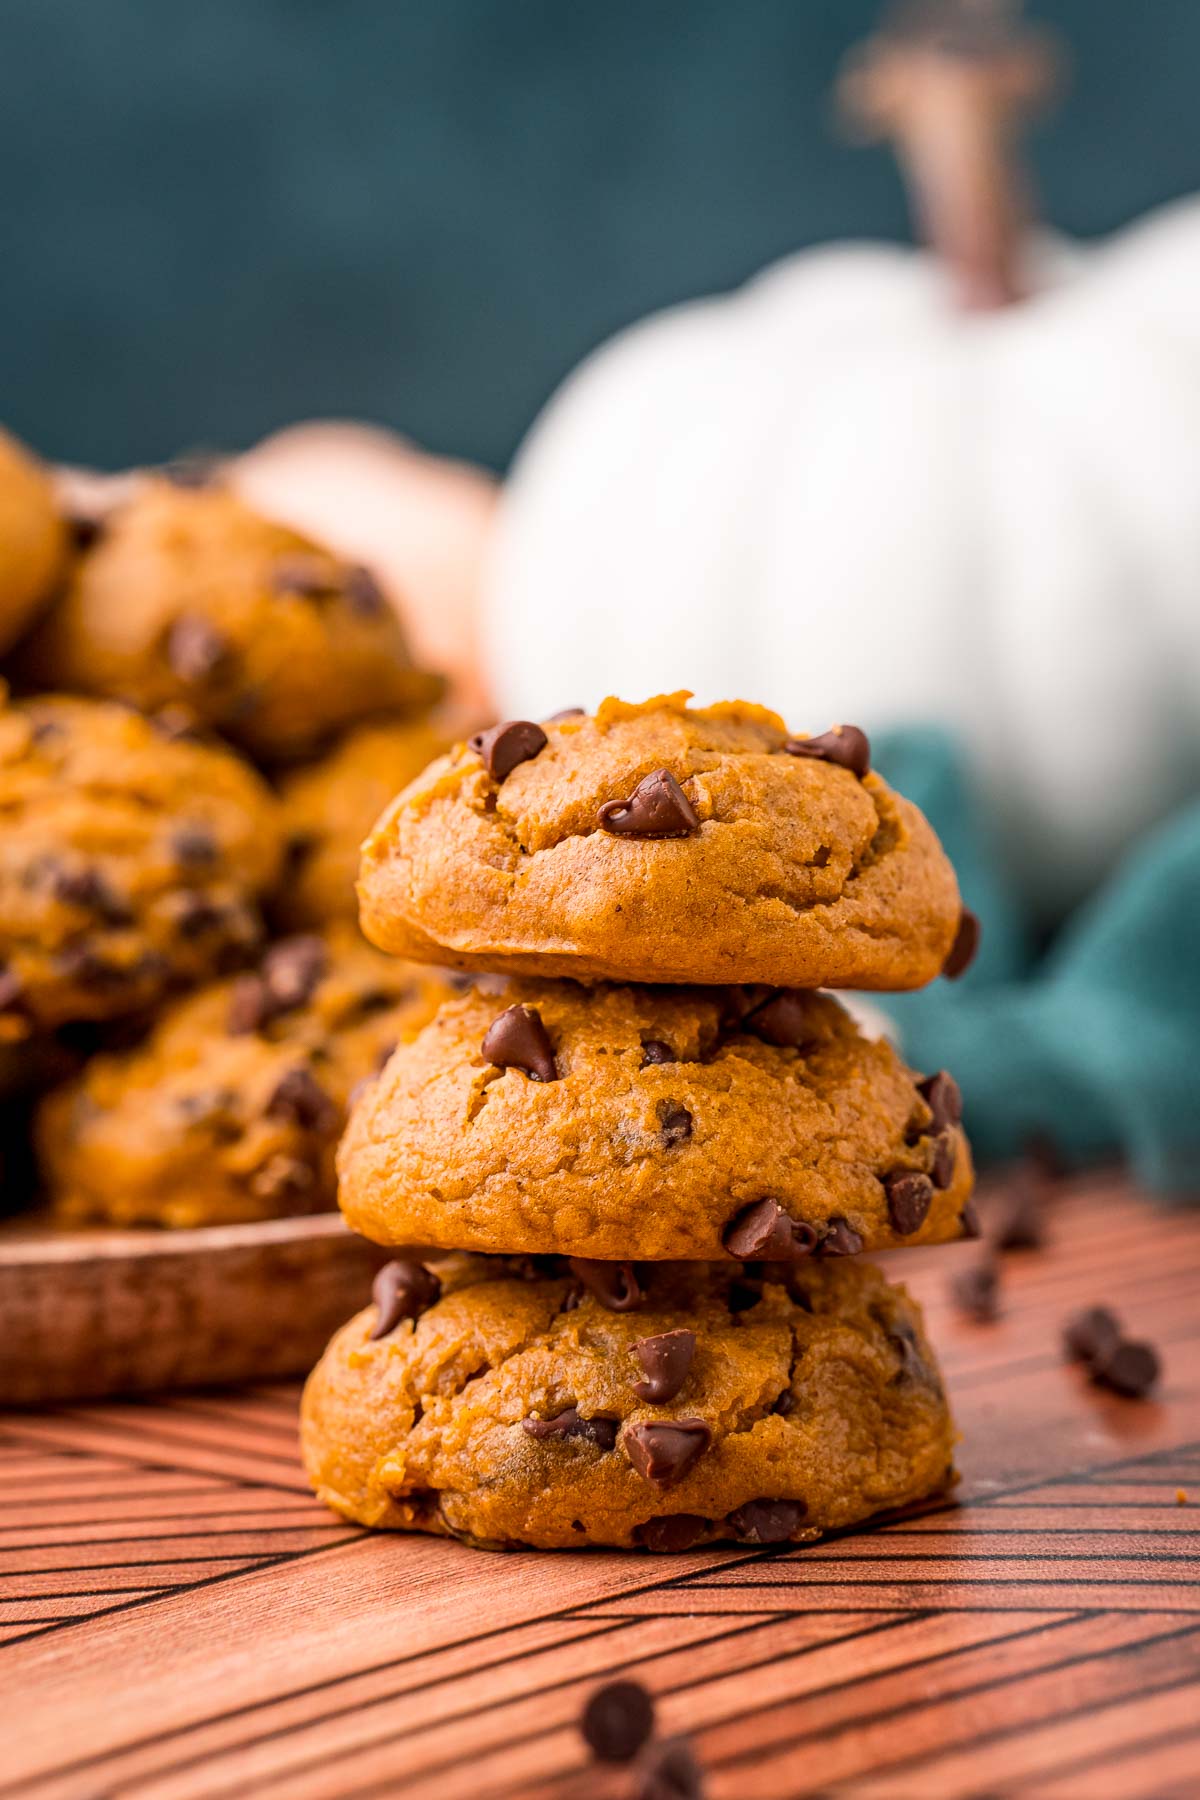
677,1404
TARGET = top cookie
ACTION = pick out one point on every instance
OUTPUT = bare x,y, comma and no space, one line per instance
662,843
188,598
33,538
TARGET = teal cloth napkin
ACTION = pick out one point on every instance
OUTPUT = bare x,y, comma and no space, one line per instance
1093,1041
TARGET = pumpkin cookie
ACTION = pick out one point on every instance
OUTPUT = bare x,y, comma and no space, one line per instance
188,598
514,1413
33,538
329,807
653,1123
232,1107
130,862
662,843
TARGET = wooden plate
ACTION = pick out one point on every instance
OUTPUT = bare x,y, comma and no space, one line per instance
106,1311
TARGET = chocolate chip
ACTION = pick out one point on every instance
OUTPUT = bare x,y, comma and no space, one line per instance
667,1771
767,1521
566,712
675,1123
309,577
617,1720
196,650
663,1453
844,745
966,943
913,1366
763,1230
941,1095
840,1239
249,1006
614,1284
85,965
88,890
194,846
363,592
945,1155
670,1532
968,1218
666,1360
655,1051
519,1040
1092,1335
569,1424
402,1290
908,1200
291,971
505,746
785,1404
286,1178
1130,1369
1017,1221
657,807
782,1020
300,1100
976,1290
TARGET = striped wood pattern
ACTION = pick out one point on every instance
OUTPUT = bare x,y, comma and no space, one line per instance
179,1620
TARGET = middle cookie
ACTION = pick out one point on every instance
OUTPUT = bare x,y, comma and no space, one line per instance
641,1123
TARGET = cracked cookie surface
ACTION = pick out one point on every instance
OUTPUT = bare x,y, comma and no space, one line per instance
739,860
232,1107
669,1113
33,538
190,599
505,1413
130,863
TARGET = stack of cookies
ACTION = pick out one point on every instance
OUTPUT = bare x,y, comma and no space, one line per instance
632,1168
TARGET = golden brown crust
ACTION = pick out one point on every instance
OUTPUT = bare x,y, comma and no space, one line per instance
208,1121
800,873
624,1157
189,598
829,1402
329,807
33,539
129,863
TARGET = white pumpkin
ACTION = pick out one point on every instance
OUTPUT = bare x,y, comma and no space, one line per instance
838,492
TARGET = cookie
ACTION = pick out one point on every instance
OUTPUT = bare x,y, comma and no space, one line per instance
653,1123
130,862
515,1413
231,1108
188,598
329,807
660,843
33,539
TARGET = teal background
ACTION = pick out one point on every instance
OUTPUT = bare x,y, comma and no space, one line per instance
219,217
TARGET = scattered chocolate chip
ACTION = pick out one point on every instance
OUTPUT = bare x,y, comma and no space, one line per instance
196,650
617,1720
655,1051
363,592
909,1195
969,1220
962,951
663,1453
505,746
976,1290
569,1424
840,1239
844,745
767,1521
519,1040
675,1123
782,1020
763,1230
614,1284
300,1100
670,1532
666,1360
11,988
667,1771
1092,1335
286,1178
1130,1369
945,1155
194,846
1017,1222
657,807
309,577
402,1290
566,712
941,1095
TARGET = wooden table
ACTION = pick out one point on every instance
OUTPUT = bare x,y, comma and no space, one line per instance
180,1620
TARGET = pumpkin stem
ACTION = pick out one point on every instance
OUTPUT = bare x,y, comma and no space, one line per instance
950,82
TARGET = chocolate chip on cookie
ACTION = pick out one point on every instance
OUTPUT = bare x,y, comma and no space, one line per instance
784,1020
519,1040
762,1231
840,1239
767,1521
909,1194
569,1424
614,1284
664,1453
964,948
402,1290
844,745
657,808
505,746
666,1360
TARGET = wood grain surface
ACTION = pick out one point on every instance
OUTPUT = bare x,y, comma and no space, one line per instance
179,1620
